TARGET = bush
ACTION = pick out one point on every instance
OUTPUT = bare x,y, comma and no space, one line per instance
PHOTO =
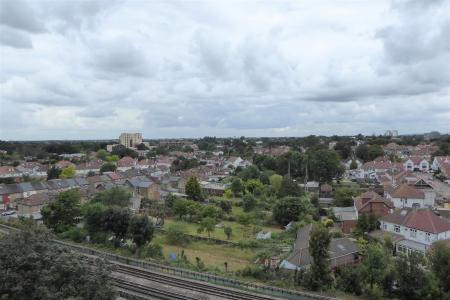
153,251
249,244
349,280
254,272
176,234
75,234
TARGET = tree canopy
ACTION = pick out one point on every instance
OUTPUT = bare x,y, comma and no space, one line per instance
64,212
32,268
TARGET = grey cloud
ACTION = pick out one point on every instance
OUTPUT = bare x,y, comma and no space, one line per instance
14,38
120,56
20,15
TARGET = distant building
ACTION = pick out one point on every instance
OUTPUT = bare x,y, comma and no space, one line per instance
391,133
130,140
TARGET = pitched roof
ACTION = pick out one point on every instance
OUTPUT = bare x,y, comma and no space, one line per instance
126,161
407,191
300,255
371,197
424,220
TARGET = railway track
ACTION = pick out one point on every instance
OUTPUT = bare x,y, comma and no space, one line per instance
190,284
145,292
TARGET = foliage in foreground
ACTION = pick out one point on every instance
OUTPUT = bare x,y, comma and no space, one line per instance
32,268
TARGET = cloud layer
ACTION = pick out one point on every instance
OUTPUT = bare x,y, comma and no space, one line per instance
83,70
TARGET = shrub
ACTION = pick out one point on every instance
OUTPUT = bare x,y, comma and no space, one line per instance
176,235
249,244
153,251
75,234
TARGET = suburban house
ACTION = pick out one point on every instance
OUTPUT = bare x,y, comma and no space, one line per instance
32,204
372,203
406,196
214,188
89,167
346,218
33,169
234,162
64,164
442,163
416,163
326,191
144,187
418,229
348,162
342,252
9,172
126,163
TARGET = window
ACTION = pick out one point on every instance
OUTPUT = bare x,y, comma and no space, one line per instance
384,226
428,237
413,233
396,228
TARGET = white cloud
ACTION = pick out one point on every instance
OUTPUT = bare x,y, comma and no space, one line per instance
175,68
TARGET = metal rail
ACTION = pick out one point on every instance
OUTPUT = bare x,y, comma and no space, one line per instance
190,285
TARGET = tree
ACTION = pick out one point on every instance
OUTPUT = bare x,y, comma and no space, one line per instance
116,221
176,234
170,199
33,268
353,165
140,230
291,209
179,208
253,185
53,173
118,196
225,205
275,182
228,194
102,154
193,189
209,211
93,217
319,242
249,202
108,167
208,225
237,187
349,280
439,262
64,212
67,172
141,146
344,197
228,231
374,264
289,188
413,281
324,165
250,172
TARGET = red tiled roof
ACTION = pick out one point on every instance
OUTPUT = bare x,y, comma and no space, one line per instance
126,161
424,220
371,197
407,191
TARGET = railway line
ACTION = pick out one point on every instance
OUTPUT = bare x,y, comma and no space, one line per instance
138,291
191,285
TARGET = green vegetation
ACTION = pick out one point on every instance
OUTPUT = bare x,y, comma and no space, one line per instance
32,268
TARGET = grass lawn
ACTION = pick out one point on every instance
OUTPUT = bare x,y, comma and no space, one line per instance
212,255
218,233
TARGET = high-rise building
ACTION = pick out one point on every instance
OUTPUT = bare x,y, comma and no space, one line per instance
130,140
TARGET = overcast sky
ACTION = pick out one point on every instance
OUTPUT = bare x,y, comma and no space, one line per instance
92,69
